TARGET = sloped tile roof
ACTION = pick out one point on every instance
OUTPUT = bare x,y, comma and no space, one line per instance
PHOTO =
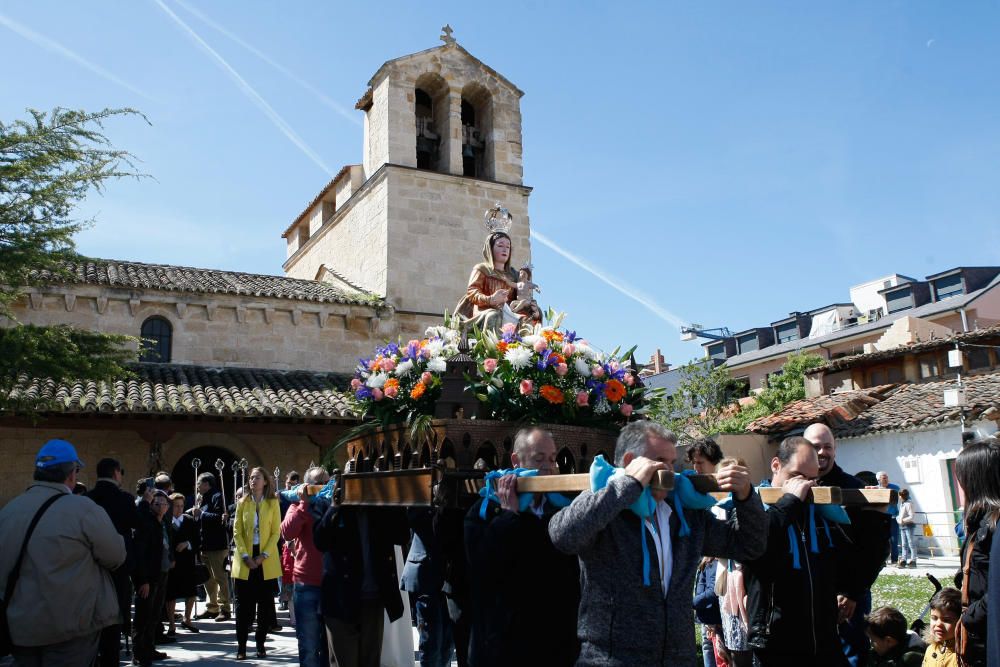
137,275
886,408
181,390
843,363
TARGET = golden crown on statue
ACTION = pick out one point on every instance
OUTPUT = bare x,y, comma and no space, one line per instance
498,219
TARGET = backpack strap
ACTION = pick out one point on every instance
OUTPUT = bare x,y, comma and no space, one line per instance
15,573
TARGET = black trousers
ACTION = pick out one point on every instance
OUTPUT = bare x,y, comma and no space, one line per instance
148,611
109,646
254,599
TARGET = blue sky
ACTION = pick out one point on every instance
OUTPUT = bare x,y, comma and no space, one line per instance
725,162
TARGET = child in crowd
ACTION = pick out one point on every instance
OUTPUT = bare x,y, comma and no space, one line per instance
946,608
890,641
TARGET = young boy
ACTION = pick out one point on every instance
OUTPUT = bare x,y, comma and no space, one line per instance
946,609
890,641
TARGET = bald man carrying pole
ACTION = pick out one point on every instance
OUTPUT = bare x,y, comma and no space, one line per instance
869,534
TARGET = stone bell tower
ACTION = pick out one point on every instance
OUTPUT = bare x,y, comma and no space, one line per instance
442,144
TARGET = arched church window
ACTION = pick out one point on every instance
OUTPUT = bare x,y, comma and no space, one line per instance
476,120
430,111
157,339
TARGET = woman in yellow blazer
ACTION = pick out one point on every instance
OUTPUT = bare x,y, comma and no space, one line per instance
256,564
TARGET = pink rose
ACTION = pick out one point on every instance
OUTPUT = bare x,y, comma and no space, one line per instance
391,391
527,386
426,377
541,345
626,409
510,328
377,394
413,343
582,399
568,349
373,365
597,371
388,365
562,369
629,379
355,384
489,365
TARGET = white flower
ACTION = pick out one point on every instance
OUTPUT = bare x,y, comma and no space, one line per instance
436,331
377,380
435,346
404,367
582,367
518,357
602,406
437,365
585,350
530,340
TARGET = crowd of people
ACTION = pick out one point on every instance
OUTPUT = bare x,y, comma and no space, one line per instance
605,578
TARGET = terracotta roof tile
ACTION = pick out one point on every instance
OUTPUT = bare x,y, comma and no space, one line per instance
136,275
181,390
886,408
844,363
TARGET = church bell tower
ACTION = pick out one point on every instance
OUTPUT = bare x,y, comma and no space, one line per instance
442,144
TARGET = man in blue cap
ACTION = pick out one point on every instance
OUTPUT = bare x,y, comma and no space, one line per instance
64,595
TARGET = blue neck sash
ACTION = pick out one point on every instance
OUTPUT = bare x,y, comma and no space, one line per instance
524,500
827,513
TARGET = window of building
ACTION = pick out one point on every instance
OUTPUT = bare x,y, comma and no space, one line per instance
739,389
428,137
477,131
899,300
716,350
786,332
885,375
748,343
977,357
157,335
930,366
948,286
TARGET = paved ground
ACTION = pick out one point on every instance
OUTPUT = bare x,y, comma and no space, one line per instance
942,567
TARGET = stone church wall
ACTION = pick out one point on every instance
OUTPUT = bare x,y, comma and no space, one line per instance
223,330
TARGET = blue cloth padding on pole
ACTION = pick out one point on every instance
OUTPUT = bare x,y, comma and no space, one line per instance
685,495
292,495
834,513
524,500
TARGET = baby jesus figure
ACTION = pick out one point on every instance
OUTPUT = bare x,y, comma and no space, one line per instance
525,303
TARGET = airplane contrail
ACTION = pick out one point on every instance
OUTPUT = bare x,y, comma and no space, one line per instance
350,115
248,90
51,45
611,281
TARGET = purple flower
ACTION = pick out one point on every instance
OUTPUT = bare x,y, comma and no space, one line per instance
363,393
571,336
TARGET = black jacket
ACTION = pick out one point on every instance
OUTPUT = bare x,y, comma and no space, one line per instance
520,583
993,593
121,509
423,573
148,547
793,611
868,534
214,536
338,535
975,618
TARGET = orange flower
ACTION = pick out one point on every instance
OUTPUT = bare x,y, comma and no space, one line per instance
502,347
391,382
551,335
551,394
557,358
614,390
418,390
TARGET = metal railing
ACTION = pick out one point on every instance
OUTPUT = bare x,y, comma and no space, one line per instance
936,533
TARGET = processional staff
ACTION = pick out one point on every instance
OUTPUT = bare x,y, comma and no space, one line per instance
196,464
220,465
236,468
243,473
277,474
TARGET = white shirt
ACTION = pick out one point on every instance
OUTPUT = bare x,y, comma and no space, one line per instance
661,537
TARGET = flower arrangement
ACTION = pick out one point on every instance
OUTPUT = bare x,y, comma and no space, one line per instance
402,381
539,373
544,373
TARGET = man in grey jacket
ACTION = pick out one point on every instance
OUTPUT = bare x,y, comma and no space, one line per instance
624,622
64,596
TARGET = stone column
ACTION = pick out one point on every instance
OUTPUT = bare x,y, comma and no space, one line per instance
451,138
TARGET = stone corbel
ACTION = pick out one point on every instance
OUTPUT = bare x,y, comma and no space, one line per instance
296,316
133,306
373,324
102,304
70,302
36,300
322,316
269,315
241,314
210,309
181,309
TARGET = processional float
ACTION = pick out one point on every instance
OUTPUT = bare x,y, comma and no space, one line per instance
464,390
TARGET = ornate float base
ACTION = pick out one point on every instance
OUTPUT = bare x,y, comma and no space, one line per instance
463,442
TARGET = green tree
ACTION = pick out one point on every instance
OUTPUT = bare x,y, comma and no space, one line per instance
698,406
48,164
780,389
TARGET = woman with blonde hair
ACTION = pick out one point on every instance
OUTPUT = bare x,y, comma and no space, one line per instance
256,563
